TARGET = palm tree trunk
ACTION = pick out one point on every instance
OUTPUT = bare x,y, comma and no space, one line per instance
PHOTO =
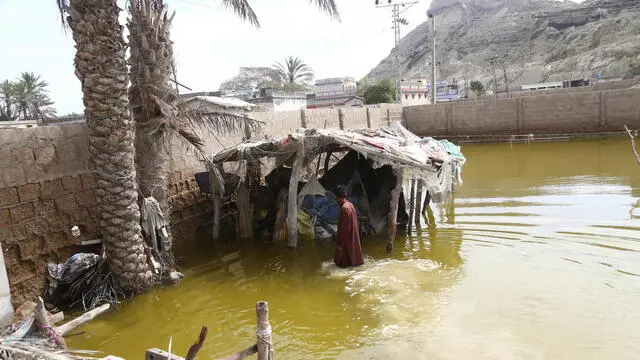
102,70
151,96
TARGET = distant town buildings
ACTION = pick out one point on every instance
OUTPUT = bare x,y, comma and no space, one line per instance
335,92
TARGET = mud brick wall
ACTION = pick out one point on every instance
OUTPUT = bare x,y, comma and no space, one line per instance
45,189
553,113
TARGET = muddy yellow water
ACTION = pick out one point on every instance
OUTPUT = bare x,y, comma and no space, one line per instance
538,258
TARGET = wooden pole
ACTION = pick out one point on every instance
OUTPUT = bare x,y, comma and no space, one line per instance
292,206
245,218
214,187
263,332
368,118
418,204
327,159
341,118
82,319
411,203
393,213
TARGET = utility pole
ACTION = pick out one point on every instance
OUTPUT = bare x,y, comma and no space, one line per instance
433,58
397,21
504,71
492,61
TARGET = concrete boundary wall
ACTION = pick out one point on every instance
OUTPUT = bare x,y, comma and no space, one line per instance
578,112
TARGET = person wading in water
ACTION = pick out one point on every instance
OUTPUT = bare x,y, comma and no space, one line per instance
348,251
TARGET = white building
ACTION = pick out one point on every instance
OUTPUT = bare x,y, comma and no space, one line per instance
270,99
415,91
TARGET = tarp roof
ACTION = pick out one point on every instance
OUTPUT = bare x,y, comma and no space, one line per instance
394,145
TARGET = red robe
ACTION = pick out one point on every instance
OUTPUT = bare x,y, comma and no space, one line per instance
348,251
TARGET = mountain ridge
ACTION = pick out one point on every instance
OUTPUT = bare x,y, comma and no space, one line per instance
536,40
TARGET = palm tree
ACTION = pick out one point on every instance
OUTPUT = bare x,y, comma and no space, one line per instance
292,71
7,97
102,70
31,97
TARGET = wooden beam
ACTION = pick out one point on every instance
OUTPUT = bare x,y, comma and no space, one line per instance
292,205
263,333
393,213
240,355
158,354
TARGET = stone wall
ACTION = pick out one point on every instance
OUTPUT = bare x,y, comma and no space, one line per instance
565,113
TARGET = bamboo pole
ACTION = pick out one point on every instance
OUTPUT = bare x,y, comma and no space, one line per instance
263,332
393,213
245,218
292,205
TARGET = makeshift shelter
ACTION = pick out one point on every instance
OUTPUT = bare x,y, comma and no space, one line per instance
376,163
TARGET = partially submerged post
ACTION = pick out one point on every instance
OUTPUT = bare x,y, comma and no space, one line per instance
393,213
263,332
418,204
411,202
292,205
215,188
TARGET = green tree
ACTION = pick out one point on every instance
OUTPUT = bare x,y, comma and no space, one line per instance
380,92
293,72
25,98
477,87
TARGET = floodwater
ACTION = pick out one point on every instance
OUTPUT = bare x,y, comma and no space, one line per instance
538,258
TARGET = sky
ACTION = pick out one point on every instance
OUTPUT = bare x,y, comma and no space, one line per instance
211,43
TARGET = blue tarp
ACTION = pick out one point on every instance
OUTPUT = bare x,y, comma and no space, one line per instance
325,208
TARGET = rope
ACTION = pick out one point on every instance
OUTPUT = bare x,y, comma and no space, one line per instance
265,337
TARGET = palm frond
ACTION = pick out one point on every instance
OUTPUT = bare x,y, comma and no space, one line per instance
41,349
63,8
244,10
197,121
328,6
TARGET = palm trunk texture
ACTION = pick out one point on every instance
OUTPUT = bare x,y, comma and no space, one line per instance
150,96
102,70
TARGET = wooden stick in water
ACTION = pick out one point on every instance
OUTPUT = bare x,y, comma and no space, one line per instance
193,350
82,319
633,143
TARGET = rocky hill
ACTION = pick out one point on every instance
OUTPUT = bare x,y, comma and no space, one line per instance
534,41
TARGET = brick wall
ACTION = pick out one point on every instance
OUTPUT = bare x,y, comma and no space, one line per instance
572,112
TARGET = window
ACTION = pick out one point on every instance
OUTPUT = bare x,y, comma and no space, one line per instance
413,96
